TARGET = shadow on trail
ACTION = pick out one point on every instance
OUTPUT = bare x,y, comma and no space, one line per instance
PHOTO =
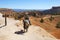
2,26
20,32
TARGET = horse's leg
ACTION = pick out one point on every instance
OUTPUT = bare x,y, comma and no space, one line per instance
24,28
27,28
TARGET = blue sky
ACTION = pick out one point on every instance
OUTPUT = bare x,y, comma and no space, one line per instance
29,4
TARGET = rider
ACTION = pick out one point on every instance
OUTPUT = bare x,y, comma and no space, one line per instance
26,23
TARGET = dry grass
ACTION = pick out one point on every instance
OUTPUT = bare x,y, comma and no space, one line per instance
47,25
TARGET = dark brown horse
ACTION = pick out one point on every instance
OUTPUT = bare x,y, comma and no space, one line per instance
26,24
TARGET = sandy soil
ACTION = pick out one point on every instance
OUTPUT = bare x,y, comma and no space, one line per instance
34,32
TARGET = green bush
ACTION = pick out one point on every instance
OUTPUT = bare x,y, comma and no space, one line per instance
41,20
17,17
58,25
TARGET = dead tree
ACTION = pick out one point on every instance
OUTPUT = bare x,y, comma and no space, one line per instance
5,19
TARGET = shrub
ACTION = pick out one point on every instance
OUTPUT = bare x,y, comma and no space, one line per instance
41,20
51,18
58,25
18,17
4,15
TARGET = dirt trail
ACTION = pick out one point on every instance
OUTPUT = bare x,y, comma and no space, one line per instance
34,32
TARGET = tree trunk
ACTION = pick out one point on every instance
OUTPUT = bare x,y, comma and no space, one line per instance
5,20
